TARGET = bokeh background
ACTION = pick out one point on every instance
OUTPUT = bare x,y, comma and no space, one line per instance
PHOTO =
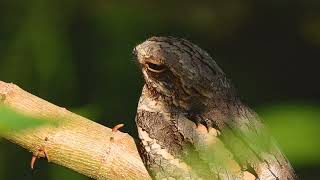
77,54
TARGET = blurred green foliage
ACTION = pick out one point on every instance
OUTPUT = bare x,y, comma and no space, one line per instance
11,121
296,128
77,54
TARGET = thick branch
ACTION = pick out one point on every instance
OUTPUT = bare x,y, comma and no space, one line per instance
74,142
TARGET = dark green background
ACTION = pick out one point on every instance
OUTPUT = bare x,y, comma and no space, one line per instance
77,54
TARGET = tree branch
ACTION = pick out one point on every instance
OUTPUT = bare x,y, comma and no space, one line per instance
74,141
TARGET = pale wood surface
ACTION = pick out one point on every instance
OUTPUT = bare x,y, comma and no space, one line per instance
73,141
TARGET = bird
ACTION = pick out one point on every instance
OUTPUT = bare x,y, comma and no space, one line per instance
191,122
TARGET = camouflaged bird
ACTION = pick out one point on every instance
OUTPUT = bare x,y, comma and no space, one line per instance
191,123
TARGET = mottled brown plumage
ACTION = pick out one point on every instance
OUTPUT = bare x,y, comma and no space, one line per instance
191,123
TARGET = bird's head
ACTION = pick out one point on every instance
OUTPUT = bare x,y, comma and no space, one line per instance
177,68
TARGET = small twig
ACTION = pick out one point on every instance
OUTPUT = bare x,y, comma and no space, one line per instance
117,127
114,130
36,156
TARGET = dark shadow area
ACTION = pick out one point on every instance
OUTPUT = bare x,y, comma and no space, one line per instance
77,54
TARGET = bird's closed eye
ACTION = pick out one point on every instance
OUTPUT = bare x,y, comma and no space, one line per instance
158,68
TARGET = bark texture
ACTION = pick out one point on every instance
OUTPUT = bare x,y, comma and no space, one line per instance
74,141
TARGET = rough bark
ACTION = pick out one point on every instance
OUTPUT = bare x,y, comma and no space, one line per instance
74,141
